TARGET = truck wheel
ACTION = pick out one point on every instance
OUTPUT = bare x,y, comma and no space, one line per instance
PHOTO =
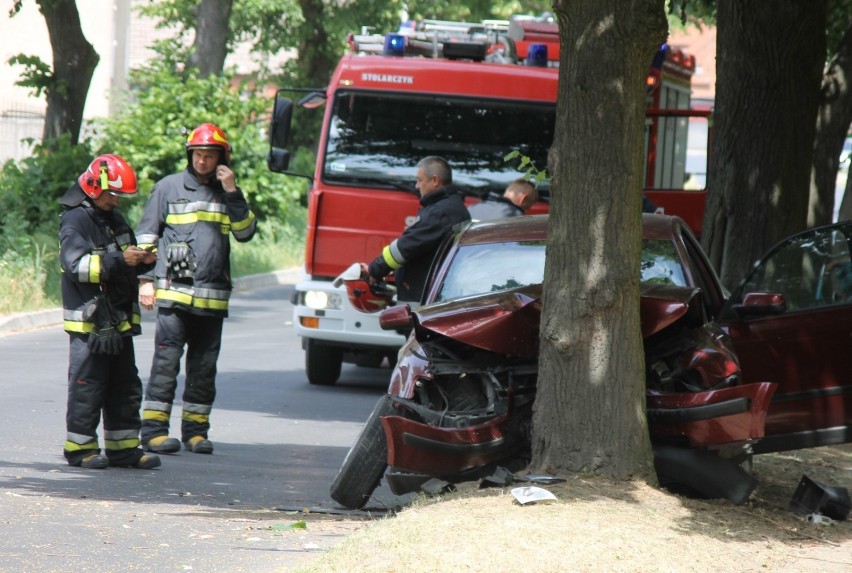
365,464
322,363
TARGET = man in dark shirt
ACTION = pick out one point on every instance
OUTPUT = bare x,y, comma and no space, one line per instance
410,255
519,196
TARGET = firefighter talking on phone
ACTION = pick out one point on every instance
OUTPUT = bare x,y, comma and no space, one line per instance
188,221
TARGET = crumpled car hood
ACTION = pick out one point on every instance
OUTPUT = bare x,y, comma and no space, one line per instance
662,305
507,322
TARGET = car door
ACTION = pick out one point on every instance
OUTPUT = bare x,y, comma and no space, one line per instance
805,346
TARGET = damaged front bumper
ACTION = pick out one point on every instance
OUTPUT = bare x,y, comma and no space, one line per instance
702,421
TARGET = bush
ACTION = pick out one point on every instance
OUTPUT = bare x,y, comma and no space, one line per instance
163,106
30,191
164,103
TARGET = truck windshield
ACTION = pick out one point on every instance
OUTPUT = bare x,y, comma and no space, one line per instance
376,139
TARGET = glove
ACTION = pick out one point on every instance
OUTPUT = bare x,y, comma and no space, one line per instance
181,261
178,253
106,340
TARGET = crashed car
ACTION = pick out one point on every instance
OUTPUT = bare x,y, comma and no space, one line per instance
460,398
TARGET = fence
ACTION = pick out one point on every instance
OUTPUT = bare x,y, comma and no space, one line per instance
19,122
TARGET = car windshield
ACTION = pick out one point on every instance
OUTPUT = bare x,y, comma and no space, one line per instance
376,139
661,264
479,269
493,267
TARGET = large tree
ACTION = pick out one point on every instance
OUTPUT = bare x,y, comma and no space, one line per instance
211,37
770,59
589,409
66,83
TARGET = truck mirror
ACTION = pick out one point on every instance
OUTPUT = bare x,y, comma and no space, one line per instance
278,160
313,100
282,113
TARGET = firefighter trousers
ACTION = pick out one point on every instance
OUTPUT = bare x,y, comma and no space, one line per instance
108,384
202,337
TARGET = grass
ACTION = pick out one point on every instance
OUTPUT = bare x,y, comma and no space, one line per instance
30,277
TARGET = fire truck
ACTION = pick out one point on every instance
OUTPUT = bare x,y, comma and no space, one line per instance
471,93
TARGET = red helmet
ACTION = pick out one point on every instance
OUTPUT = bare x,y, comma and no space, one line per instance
208,136
368,297
108,172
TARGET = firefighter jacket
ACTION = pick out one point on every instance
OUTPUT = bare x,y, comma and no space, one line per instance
410,256
91,246
193,220
494,206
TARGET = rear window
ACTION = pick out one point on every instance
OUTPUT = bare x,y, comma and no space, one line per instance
493,267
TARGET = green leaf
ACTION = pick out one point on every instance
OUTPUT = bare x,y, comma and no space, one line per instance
301,524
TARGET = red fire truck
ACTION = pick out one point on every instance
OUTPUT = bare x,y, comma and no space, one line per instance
471,93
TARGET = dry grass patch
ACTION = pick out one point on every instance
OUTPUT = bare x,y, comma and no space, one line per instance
597,525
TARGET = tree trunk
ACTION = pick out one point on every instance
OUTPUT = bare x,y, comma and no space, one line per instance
317,55
589,409
833,119
770,60
211,37
74,61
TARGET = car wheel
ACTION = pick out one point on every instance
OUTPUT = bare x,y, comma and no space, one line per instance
322,363
365,464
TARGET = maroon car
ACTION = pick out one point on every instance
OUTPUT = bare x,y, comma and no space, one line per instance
460,397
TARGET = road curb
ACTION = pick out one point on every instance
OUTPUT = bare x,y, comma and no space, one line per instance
52,316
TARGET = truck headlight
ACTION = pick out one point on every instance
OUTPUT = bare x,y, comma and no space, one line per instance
322,300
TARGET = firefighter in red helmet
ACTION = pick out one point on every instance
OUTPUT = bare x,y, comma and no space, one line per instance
100,263
189,220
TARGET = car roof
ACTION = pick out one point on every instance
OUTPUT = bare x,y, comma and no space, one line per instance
526,228
534,228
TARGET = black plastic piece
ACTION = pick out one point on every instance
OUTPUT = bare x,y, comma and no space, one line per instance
812,496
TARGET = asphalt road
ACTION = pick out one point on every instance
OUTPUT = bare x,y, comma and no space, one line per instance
278,444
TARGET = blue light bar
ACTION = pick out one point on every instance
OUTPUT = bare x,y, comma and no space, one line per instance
537,55
394,45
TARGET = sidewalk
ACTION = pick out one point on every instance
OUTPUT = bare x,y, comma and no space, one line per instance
53,316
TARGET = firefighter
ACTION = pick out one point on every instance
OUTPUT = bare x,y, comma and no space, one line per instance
409,256
100,262
188,221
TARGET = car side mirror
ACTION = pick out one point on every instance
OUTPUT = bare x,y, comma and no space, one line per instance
761,304
396,317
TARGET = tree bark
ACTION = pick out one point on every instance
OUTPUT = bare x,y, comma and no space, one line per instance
770,60
211,37
317,55
589,411
833,119
74,62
